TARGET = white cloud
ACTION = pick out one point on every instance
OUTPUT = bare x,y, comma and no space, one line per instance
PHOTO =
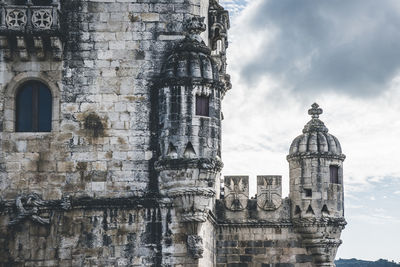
262,118
264,115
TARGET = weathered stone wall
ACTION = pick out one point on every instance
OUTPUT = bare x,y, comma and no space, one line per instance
256,237
114,236
260,245
100,144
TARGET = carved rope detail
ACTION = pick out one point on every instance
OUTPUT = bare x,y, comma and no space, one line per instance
28,208
208,192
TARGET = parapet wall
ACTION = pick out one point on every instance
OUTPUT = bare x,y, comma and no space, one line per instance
260,245
236,206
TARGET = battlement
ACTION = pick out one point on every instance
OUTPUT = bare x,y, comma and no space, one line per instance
235,192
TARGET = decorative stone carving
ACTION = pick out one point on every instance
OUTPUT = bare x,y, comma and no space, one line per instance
4,46
269,192
194,202
66,203
22,49
28,208
218,19
176,164
236,192
218,24
16,18
195,246
29,18
194,27
56,47
42,19
21,22
39,48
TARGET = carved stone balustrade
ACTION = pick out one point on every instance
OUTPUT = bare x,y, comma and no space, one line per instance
29,19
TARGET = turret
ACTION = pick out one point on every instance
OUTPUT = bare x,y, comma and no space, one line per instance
316,171
189,135
316,188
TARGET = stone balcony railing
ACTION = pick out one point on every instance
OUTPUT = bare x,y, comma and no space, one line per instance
29,19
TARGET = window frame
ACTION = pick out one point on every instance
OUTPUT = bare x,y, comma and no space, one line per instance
36,103
11,90
206,103
332,178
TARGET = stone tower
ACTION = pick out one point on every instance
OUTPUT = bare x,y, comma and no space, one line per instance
316,188
189,113
110,145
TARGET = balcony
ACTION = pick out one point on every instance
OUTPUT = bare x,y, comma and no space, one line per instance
35,18
30,29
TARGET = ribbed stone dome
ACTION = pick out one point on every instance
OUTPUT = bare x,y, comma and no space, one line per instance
191,58
315,138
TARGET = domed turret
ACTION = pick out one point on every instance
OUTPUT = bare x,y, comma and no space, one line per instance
316,173
316,189
315,138
191,58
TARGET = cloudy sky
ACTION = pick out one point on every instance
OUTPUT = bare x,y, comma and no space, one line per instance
345,55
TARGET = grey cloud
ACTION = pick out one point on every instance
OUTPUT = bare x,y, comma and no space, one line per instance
351,46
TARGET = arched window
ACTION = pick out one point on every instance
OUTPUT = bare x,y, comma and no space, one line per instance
33,108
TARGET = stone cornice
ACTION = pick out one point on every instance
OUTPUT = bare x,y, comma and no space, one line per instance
207,192
70,203
308,155
190,81
257,223
324,221
181,164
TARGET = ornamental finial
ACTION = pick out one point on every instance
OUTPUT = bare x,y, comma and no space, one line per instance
315,111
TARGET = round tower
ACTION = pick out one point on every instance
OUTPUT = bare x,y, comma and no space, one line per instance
316,189
189,132
316,171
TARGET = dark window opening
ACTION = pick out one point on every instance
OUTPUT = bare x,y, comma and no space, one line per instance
202,105
334,174
297,210
308,192
33,108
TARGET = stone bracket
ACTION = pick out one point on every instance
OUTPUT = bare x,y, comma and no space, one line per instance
25,48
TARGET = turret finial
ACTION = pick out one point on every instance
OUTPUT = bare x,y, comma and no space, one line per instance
315,111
